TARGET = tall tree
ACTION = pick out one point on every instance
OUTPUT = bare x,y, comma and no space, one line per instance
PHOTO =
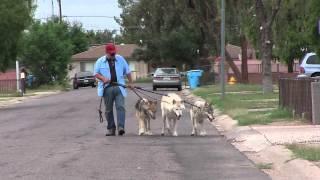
291,31
15,15
47,51
78,37
266,12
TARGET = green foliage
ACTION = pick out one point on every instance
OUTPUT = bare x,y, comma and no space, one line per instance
291,31
312,24
15,17
47,51
78,37
102,37
168,31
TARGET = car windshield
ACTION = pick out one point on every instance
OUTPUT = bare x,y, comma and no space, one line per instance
166,71
313,60
83,74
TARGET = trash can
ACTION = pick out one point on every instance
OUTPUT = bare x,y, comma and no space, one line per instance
194,78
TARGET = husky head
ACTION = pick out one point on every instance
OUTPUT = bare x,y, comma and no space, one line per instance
149,107
177,107
208,111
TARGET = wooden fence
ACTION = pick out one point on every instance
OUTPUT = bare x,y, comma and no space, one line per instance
295,94
8,86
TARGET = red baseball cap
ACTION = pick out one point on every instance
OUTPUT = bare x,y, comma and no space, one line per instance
110,48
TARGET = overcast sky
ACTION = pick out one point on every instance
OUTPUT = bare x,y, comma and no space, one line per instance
83,8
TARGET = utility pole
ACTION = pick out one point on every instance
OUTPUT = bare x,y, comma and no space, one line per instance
60,11
52,9
18,76
223,56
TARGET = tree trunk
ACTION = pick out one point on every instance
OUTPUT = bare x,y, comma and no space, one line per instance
266,50
244,59
233,66
290,65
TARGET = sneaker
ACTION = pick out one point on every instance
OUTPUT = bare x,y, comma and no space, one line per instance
111,132
121,131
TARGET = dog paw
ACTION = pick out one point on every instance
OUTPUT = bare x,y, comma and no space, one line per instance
175,134
149,133
141,133
203,134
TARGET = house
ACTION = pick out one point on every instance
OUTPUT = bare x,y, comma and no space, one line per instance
279,69
85,61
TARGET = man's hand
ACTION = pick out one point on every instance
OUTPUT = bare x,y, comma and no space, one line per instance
130,85
105,80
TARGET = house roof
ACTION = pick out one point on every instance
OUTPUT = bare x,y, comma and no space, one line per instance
94,53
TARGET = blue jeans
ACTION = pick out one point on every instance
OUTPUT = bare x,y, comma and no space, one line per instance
113,95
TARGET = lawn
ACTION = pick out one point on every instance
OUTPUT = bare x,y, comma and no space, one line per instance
246,103
305,152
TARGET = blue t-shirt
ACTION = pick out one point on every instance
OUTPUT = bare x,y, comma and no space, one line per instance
122,70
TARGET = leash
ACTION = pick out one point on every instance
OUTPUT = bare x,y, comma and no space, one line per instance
135,89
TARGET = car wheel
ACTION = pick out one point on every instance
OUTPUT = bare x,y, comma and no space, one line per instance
179,88
154,88
93,85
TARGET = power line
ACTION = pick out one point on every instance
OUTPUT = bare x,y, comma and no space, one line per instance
91,16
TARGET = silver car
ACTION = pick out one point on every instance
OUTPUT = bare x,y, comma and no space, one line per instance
167,78
310,65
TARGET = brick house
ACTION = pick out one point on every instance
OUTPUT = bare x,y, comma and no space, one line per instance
85,61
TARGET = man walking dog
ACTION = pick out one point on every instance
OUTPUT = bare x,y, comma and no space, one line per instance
109,69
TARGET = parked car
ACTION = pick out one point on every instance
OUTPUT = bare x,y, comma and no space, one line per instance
310,65
83,79
166,78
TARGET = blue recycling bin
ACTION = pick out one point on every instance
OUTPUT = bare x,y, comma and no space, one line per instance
194,78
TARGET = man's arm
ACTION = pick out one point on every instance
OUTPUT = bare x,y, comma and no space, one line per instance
130,84
102,78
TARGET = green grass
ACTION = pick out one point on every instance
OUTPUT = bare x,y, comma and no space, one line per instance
229,88
243,106
50,87
305,152
264,165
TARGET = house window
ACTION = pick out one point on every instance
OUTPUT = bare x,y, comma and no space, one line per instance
86,66
132,66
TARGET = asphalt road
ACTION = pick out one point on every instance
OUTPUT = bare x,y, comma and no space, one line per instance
60,137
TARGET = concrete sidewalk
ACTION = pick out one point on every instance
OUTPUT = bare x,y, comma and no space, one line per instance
265,144
7,101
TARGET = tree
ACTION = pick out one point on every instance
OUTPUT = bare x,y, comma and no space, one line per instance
266,12
78,37
47,51
15,17
291,31
168,30
102,37
313,23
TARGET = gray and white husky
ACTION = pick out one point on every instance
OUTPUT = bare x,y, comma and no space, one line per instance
171,108
199,114
145,110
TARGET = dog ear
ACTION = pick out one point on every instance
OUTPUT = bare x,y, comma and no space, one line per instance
174,101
